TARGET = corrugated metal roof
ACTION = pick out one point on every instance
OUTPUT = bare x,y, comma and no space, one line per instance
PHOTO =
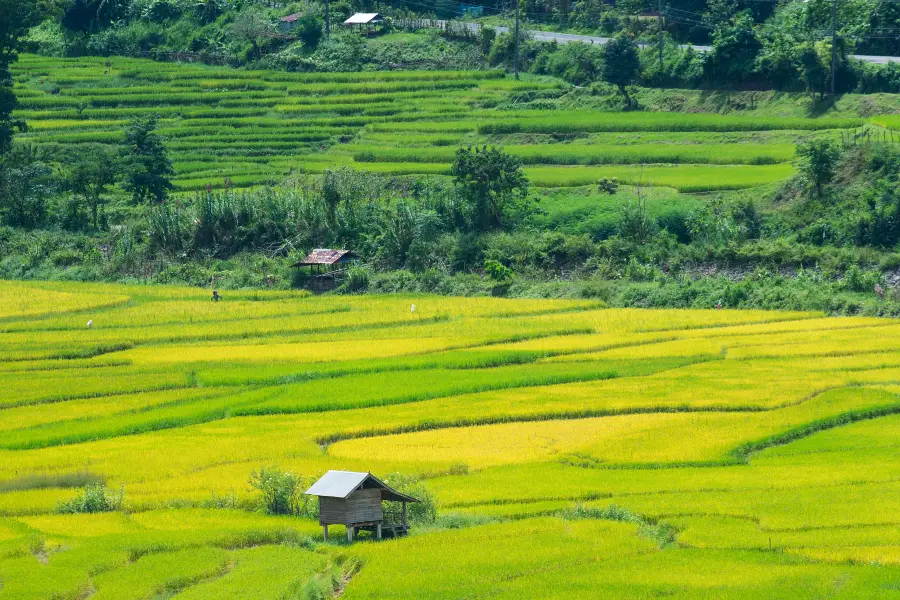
363,18
337,484
323,256
340,484
292,18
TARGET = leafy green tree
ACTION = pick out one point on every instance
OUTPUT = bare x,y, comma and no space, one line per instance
93,15
487,37
814,69
16,18
621,64
148,167
26,184
491,181
735,49
309,30
252,27
818,160
91,175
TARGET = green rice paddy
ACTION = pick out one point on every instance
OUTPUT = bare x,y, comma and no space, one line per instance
250,128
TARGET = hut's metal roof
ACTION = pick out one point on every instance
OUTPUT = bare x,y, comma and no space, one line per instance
363,19
292,18
324,256
340,484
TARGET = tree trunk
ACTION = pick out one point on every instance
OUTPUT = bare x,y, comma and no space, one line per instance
624,91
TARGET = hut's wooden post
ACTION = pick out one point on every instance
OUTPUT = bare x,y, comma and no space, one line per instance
378,531
350,529
325,531
404,513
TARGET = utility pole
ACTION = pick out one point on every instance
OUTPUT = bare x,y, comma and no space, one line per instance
660,33
833,44
517,40
327,21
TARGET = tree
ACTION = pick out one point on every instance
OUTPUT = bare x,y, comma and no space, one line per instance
734,52
309,30
490,181
92,15
813,70
252,27
93,172
818,160
25,185
148,167
621,64
16,18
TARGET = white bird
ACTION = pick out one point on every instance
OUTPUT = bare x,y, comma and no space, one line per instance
90,323
412,308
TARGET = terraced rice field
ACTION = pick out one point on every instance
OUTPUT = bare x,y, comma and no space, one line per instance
578,451
245,129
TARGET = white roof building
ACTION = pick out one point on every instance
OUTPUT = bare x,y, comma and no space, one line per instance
364,19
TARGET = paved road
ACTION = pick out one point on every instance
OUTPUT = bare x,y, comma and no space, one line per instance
565,38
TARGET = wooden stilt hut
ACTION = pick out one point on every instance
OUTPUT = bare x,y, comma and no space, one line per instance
354,500
326,266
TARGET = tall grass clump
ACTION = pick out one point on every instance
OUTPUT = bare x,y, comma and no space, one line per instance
95,498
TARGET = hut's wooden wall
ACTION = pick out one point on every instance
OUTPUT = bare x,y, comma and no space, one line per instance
362,506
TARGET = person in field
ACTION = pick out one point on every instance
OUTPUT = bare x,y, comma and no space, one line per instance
216,297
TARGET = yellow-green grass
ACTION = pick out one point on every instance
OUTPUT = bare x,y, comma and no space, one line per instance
703,453
548,558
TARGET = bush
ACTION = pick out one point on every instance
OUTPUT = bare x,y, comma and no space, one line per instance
358,278
282,492
423,512
499,273
95,498
858,280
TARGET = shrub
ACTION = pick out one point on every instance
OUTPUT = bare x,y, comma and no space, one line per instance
358,278
818,161
858,280
418,513
499,273
282,492
635,222
95,498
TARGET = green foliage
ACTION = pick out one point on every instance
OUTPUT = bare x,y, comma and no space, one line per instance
813,69
491,182
94,498
607,186
147,163
635,223
281,492
487,37
621,64
16,18
26,185
818,160
358,278
735,48
580,64
93,171
858,280
498,272
309,30
419,513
